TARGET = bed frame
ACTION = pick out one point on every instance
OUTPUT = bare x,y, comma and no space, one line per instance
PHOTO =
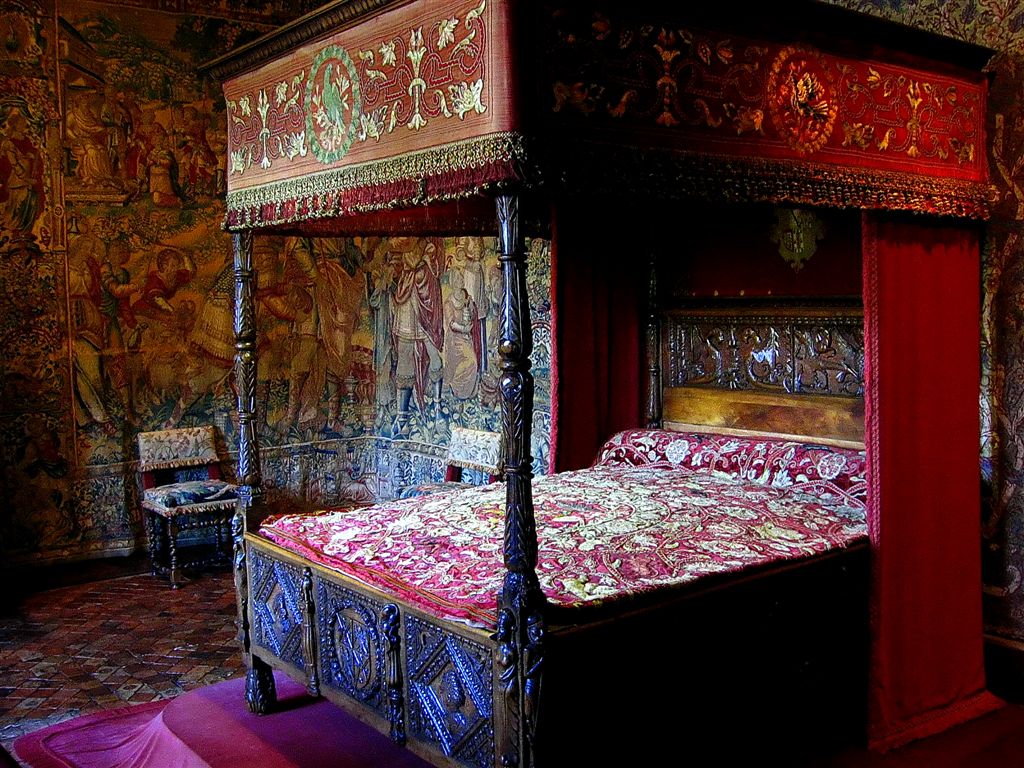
463,696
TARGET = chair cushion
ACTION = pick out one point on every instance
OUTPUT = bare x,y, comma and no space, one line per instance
190,496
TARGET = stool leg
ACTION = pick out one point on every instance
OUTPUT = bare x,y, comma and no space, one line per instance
172,545
151,536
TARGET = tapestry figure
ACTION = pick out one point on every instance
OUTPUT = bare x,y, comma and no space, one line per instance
173,270
470,251
461,340
303,345
197,165
85,294
338,296
380,287
163,171
418,324
88,135
20,180
116,289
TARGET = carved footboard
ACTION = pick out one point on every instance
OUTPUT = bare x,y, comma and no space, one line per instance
429,684
793,640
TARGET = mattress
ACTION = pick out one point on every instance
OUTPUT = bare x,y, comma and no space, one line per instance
613,532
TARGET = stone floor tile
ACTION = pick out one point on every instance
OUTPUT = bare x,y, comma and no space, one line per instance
81,649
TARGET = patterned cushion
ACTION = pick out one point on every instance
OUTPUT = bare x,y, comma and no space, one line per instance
778,463
211,494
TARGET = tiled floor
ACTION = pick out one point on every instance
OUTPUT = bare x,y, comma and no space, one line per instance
79,649
73,650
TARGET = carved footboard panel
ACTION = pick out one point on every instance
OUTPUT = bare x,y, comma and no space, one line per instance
793,640
429,685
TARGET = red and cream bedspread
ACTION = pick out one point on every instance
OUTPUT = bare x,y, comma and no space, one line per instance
606,533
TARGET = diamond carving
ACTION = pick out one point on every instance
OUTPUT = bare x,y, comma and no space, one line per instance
450,693
277,607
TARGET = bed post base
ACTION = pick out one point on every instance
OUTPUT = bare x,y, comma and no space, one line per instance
260,691
260,694
520,629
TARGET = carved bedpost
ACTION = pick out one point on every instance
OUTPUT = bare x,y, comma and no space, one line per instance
259,679
652,408
520,630
309,633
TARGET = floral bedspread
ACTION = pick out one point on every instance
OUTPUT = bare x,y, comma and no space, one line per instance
606,533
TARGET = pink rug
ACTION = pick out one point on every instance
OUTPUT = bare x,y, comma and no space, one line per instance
211,728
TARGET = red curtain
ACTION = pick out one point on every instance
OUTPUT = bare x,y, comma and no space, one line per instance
921,305
599,289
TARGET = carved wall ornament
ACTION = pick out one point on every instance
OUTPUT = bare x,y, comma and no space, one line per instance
797,231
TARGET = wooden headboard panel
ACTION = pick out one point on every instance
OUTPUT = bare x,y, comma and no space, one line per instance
783,370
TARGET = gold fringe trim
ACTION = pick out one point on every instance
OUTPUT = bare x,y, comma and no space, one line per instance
190,509
675,174
199,461
246,207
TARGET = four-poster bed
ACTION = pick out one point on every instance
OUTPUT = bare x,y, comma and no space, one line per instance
416,117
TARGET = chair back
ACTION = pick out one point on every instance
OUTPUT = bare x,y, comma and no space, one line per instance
475,449
169,450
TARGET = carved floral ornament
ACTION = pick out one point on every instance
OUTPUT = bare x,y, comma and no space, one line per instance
354,95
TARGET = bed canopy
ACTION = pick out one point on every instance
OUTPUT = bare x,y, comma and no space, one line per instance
421,116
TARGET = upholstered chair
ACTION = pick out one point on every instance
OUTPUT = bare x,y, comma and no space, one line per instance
471,449
182,490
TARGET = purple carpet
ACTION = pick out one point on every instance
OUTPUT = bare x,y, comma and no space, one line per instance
211,728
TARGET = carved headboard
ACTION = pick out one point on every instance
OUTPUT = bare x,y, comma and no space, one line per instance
784,369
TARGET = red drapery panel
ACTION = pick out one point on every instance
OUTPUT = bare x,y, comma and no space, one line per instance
921,296
598,317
